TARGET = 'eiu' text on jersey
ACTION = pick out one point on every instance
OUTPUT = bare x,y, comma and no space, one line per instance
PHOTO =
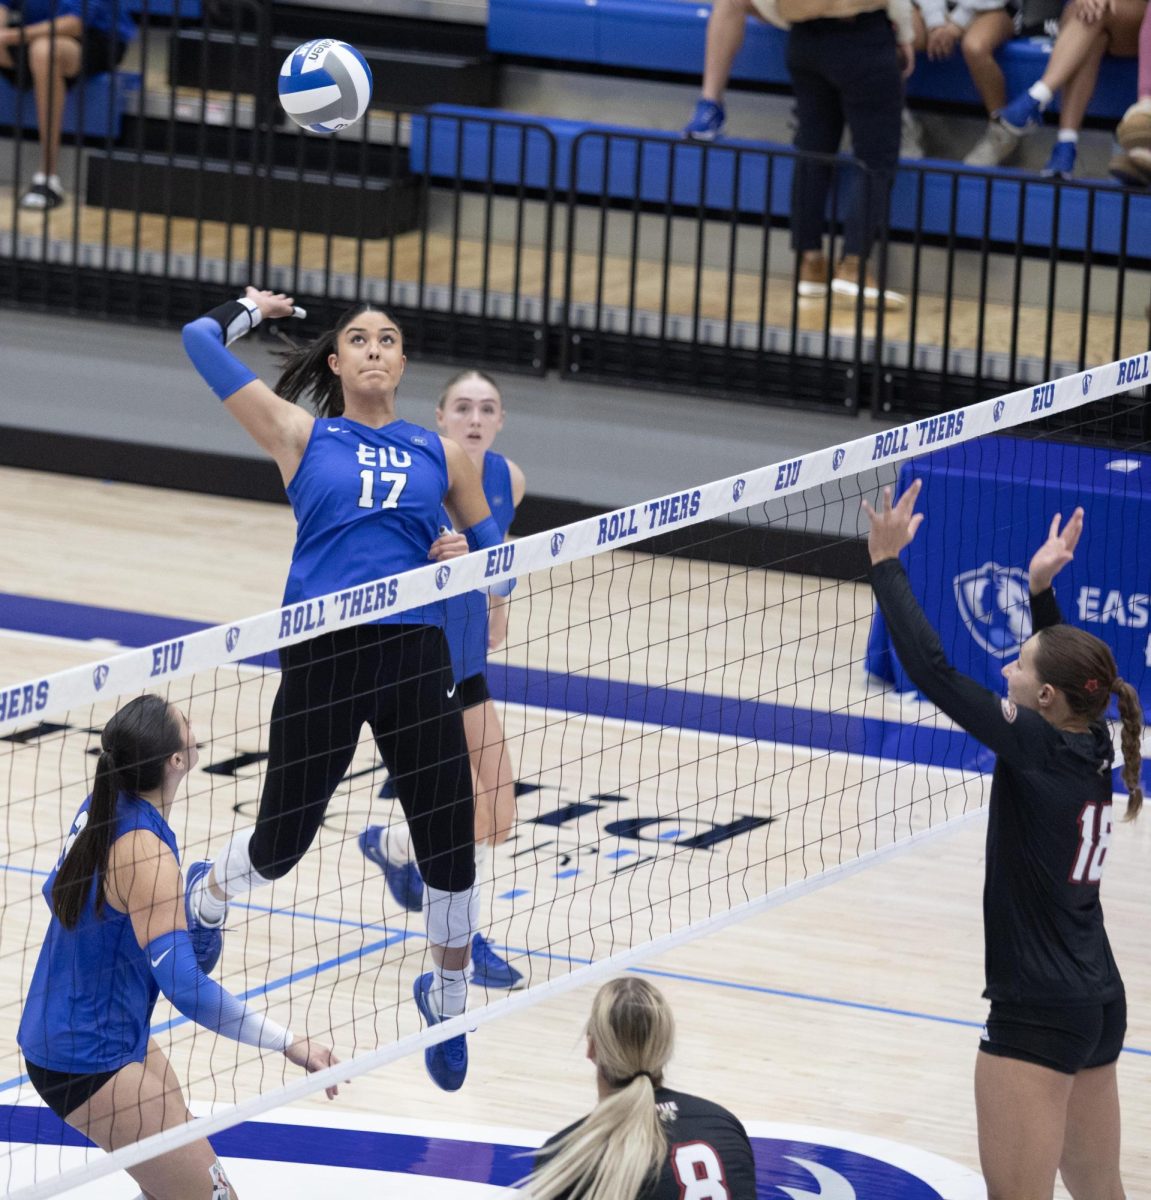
367,504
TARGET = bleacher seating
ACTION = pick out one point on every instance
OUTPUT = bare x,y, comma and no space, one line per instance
102,99
513,150
667,36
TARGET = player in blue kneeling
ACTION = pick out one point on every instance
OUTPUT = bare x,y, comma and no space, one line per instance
116,940
471,413
367,490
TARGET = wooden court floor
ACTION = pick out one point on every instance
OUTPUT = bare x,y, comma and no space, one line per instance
856,1007
436,261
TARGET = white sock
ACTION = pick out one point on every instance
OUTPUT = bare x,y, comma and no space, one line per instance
1041,92
207,908
1069,135
396,844
449,992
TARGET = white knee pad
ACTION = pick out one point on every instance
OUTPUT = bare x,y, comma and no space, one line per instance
451,917
234,871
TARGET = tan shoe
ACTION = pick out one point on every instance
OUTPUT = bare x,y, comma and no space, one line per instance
846,284
813,275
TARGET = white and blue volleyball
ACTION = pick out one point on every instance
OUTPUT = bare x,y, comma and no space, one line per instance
325,85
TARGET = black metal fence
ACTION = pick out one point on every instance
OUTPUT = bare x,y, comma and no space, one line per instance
531,244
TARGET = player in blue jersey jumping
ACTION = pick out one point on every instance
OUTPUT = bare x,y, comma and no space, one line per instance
471,413
117,938
368,490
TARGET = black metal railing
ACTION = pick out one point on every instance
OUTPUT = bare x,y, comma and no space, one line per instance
622,255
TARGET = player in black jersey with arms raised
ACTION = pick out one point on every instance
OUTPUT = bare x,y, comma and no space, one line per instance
642,1141
1046,1095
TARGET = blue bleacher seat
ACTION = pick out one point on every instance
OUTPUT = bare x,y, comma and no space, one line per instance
514,150
103,98
669,36
184,10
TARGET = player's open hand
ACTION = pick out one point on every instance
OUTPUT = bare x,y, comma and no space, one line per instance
894,525
272,305
1056,552
313,1057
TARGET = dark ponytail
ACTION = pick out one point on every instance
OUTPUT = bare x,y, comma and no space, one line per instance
1083,668
1130,738
134,748
305,373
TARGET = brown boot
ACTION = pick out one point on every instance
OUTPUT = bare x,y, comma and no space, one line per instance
846,284
813,275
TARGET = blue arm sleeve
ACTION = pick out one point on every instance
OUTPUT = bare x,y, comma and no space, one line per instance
484,535
203,1000
219,368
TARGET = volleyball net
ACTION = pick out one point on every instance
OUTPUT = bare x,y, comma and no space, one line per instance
695,736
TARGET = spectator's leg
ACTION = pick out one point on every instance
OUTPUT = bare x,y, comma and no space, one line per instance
1079,89
986,33
871,85
920,28
819,114
51,63
725,32
1132,164
1078,40
1145,56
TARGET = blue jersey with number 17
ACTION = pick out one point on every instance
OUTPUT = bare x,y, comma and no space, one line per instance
367,504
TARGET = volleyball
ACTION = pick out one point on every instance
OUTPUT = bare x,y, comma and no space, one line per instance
325,85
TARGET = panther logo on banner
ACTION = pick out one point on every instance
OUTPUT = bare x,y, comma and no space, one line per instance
232,637
993,602
997,411
737,489
443,574
837,459
557,543
100,676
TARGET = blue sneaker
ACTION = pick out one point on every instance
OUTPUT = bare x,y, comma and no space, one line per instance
706,122
1061,164
491,971
1021,114
207,940
403,879
447,1062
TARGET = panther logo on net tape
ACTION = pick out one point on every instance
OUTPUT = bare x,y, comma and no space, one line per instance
443,574
994,606
737,489
997,411
100,676
232,637
557,543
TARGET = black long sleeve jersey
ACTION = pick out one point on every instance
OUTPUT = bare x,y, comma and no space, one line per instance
708,1151
1049,822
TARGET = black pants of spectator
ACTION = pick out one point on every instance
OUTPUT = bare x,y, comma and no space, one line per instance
398,680
844,72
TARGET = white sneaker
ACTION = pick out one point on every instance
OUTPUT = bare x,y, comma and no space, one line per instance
997,146
45,192
910,135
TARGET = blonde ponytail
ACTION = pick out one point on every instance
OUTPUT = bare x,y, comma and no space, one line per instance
621,1145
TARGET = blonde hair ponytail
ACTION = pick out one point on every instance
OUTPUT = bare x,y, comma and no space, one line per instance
621,1145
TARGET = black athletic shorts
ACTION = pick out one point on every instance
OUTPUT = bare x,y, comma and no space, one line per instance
1066,1038
473,691
64,1093
99,54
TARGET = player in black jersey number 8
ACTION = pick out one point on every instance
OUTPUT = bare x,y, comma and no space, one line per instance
642,1141
1046,1095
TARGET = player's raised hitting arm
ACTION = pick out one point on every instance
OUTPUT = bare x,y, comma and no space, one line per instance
276,425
